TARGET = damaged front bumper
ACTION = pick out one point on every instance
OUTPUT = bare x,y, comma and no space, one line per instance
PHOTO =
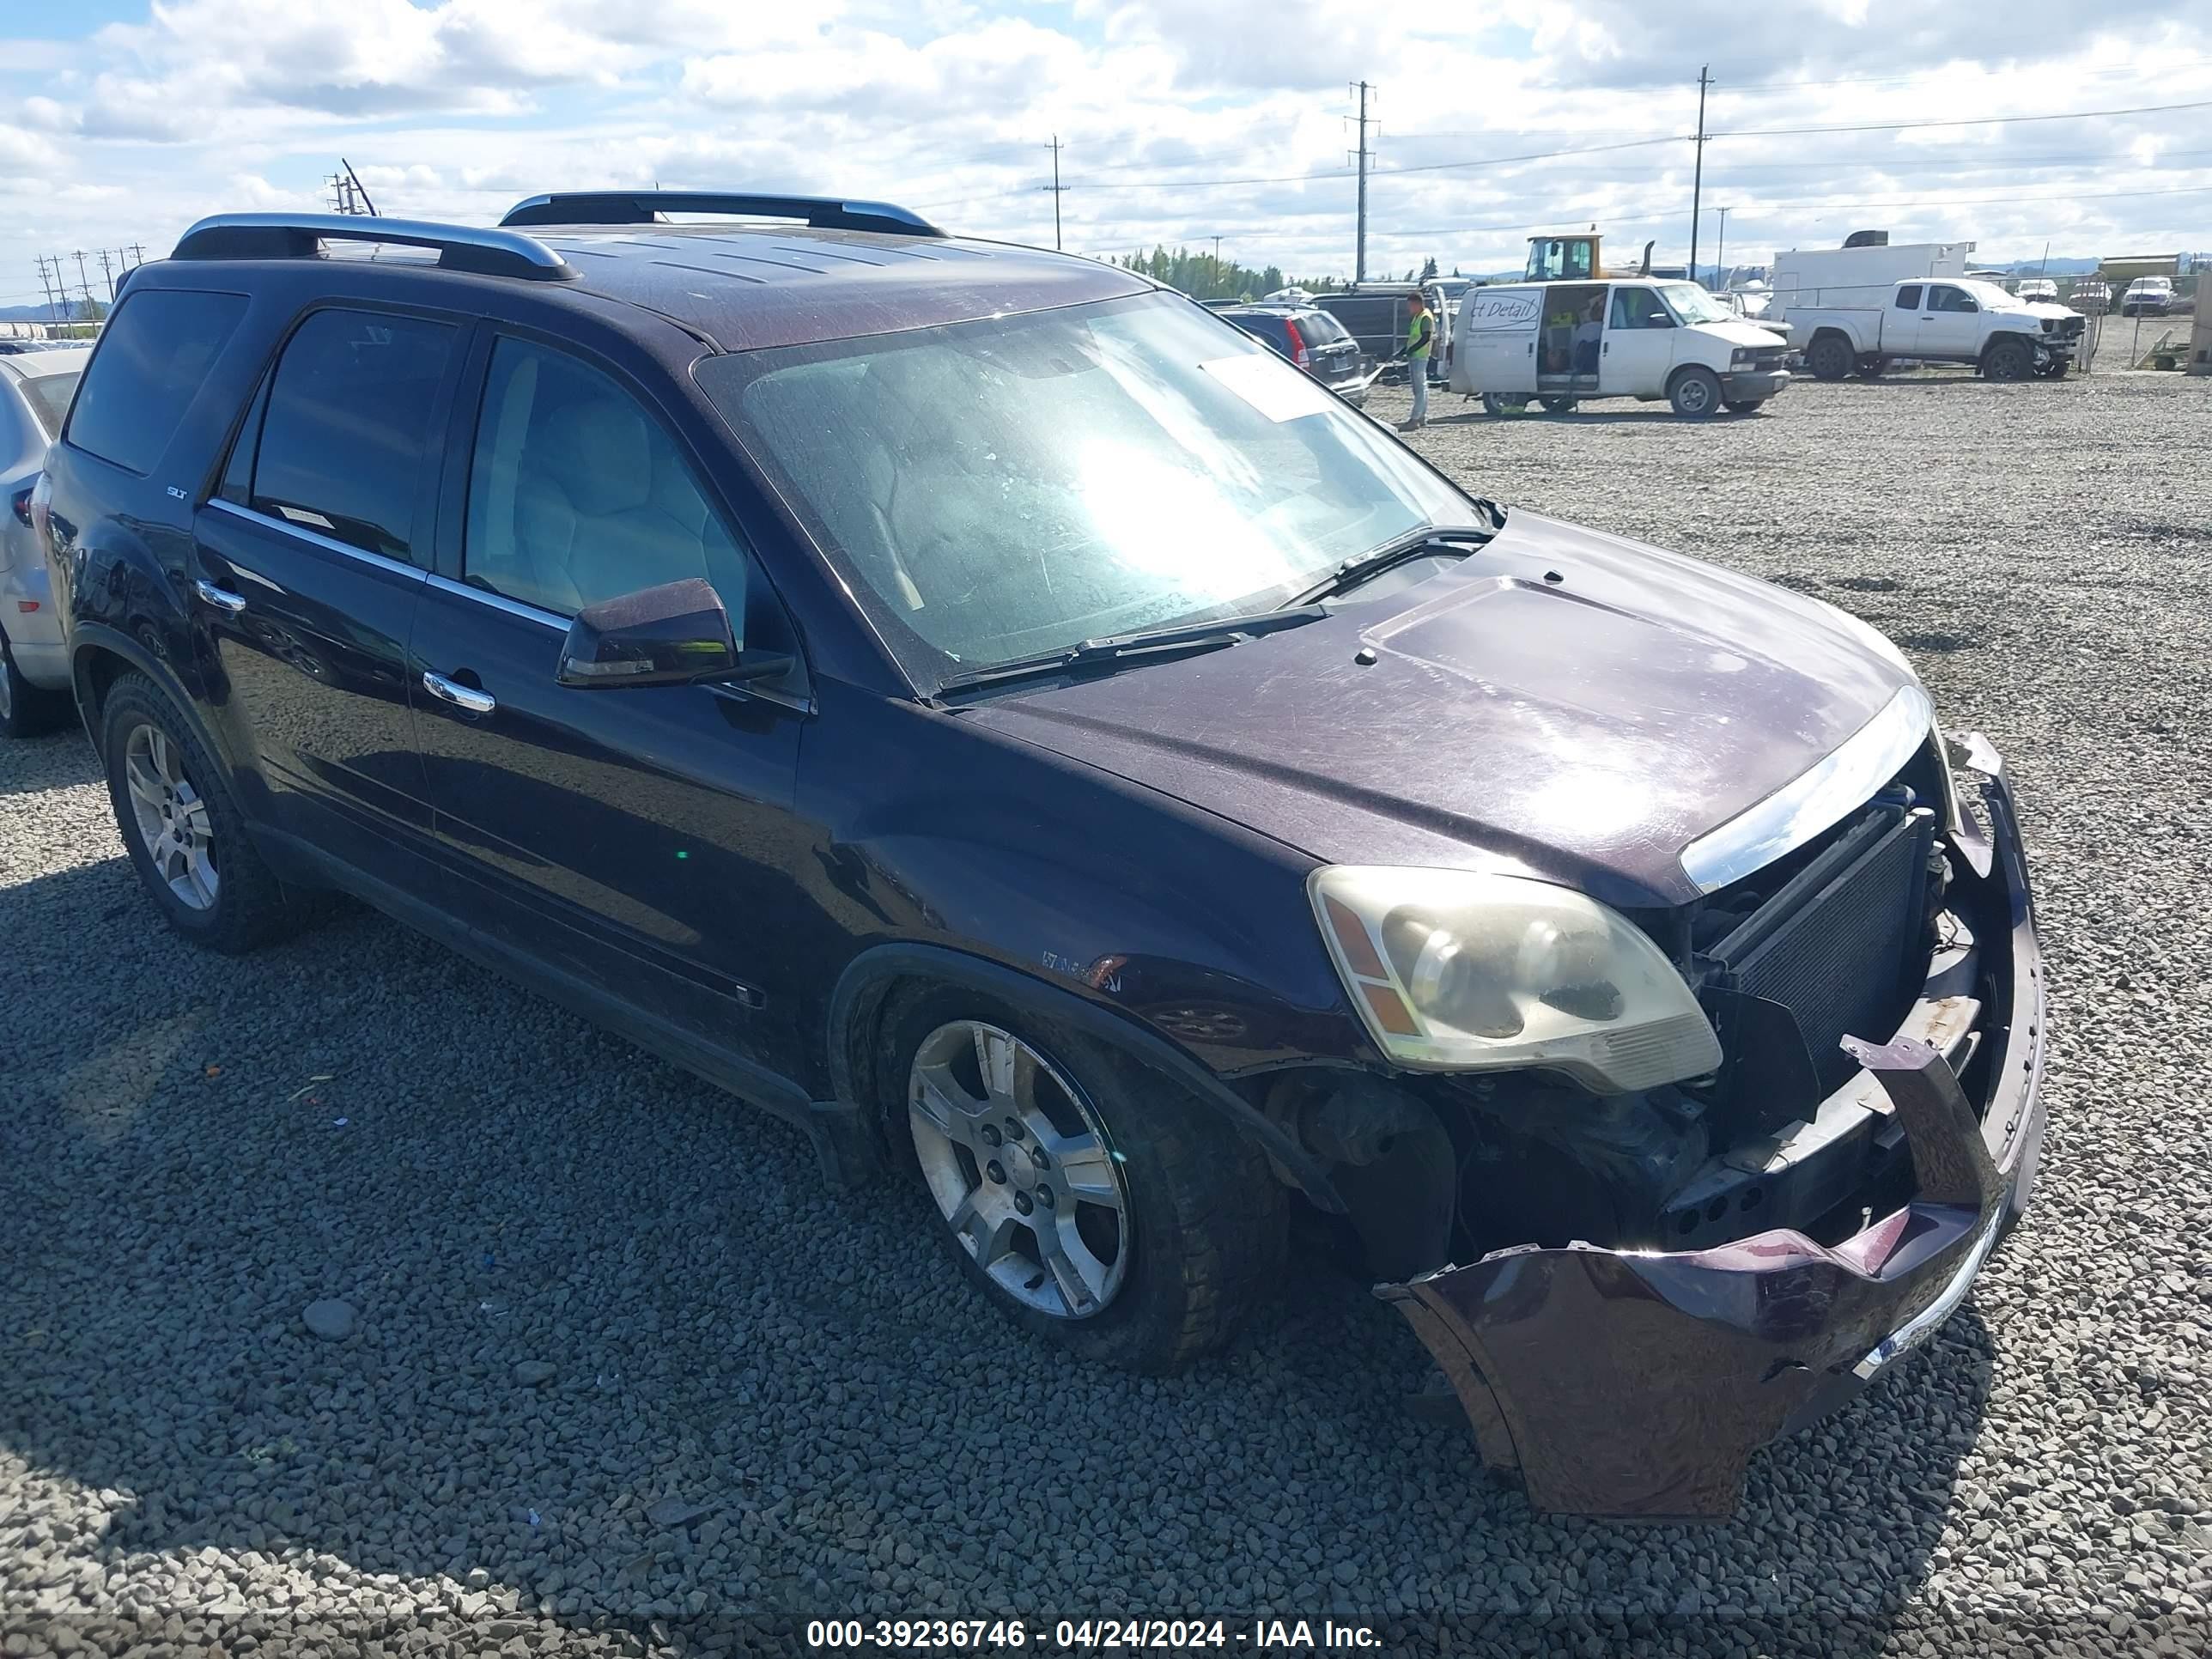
1638,1384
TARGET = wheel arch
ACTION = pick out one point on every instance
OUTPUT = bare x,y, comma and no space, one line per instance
865,989
2008,336
100,655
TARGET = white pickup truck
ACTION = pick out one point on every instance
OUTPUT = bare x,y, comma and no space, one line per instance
1958,320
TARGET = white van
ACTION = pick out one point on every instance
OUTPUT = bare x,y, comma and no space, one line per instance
1560,343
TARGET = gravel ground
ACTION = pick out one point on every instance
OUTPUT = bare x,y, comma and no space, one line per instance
614,1371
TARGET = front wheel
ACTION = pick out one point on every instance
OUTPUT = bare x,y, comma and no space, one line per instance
1093,1201
1695,393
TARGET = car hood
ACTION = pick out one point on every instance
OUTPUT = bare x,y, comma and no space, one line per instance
1564,703
1738,332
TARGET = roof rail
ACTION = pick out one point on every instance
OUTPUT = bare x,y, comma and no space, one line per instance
301,236
638,206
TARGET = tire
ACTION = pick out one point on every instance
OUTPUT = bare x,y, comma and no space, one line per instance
1694,392
1742,406
1830,358
1870,368
26,710
2008,360
1193,1213
231,904
1559,406
2057,369
1494,405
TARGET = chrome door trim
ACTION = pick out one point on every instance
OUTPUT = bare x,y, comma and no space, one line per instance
1816,797
316,538
499,601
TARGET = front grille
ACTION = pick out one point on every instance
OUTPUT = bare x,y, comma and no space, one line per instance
1834,952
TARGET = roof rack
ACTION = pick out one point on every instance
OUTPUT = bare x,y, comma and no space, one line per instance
639,207
301,236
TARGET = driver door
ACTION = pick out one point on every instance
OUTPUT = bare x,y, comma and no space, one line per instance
1950,322
639,839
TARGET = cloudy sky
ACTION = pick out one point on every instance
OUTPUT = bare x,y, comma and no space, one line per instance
1182,119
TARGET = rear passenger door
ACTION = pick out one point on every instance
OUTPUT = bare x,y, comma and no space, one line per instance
311,557
637,838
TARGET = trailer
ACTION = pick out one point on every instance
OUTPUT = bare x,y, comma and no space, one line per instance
1862,276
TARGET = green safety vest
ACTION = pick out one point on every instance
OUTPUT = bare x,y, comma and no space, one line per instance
1420,331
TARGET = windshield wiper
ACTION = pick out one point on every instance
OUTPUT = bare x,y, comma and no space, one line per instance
1119,650
1411,545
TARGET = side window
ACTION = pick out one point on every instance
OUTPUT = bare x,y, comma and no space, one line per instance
153,354
345,436
1637,307
577,496
1908,297
1940,298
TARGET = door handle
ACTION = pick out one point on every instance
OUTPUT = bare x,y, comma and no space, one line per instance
461,696
221,598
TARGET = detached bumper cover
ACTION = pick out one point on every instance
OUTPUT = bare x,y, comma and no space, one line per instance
1638,1383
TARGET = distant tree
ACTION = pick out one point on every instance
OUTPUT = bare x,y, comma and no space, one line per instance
1429,270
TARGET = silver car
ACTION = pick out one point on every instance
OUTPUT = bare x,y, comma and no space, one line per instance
35,388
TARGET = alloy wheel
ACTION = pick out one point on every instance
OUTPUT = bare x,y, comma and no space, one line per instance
1021,1169
172,817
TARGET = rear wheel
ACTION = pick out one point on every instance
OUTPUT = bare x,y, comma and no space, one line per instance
2008,360
26,711
1829,357
182,829
1695,393
1093,1201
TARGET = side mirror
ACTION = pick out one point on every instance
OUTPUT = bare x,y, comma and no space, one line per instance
672,634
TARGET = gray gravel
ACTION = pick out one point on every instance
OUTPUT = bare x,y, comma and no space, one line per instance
622,1374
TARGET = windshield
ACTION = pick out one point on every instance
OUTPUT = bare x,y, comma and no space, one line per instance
1989,296
993,489
1692,304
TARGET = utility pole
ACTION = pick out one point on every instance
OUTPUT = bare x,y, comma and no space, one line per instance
137,253
108,276
1720,254
46,282
83,281
1697,173
1359,249
1056,187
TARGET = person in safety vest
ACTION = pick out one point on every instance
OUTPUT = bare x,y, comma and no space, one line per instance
1421,335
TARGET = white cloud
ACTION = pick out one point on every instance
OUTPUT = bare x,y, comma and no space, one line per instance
455,107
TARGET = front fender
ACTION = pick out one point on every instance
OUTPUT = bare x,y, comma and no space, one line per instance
861,989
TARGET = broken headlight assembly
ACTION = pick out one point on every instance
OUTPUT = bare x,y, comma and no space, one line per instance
1460,970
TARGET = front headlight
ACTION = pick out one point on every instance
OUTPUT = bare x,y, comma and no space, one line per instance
1454,969
1742,356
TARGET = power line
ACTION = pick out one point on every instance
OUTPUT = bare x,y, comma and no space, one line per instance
1963,121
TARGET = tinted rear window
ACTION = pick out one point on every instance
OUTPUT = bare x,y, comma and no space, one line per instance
153,354
1269,329
1321,329
347,433
50,395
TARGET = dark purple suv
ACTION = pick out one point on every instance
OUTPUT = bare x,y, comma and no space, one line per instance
1000,717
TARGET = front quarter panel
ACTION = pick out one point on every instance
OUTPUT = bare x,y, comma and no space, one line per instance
944,833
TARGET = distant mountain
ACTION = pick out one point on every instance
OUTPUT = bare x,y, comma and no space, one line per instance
38,313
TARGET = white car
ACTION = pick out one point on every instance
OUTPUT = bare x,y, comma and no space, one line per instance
1561,343
2037,288
35,388
2147,297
